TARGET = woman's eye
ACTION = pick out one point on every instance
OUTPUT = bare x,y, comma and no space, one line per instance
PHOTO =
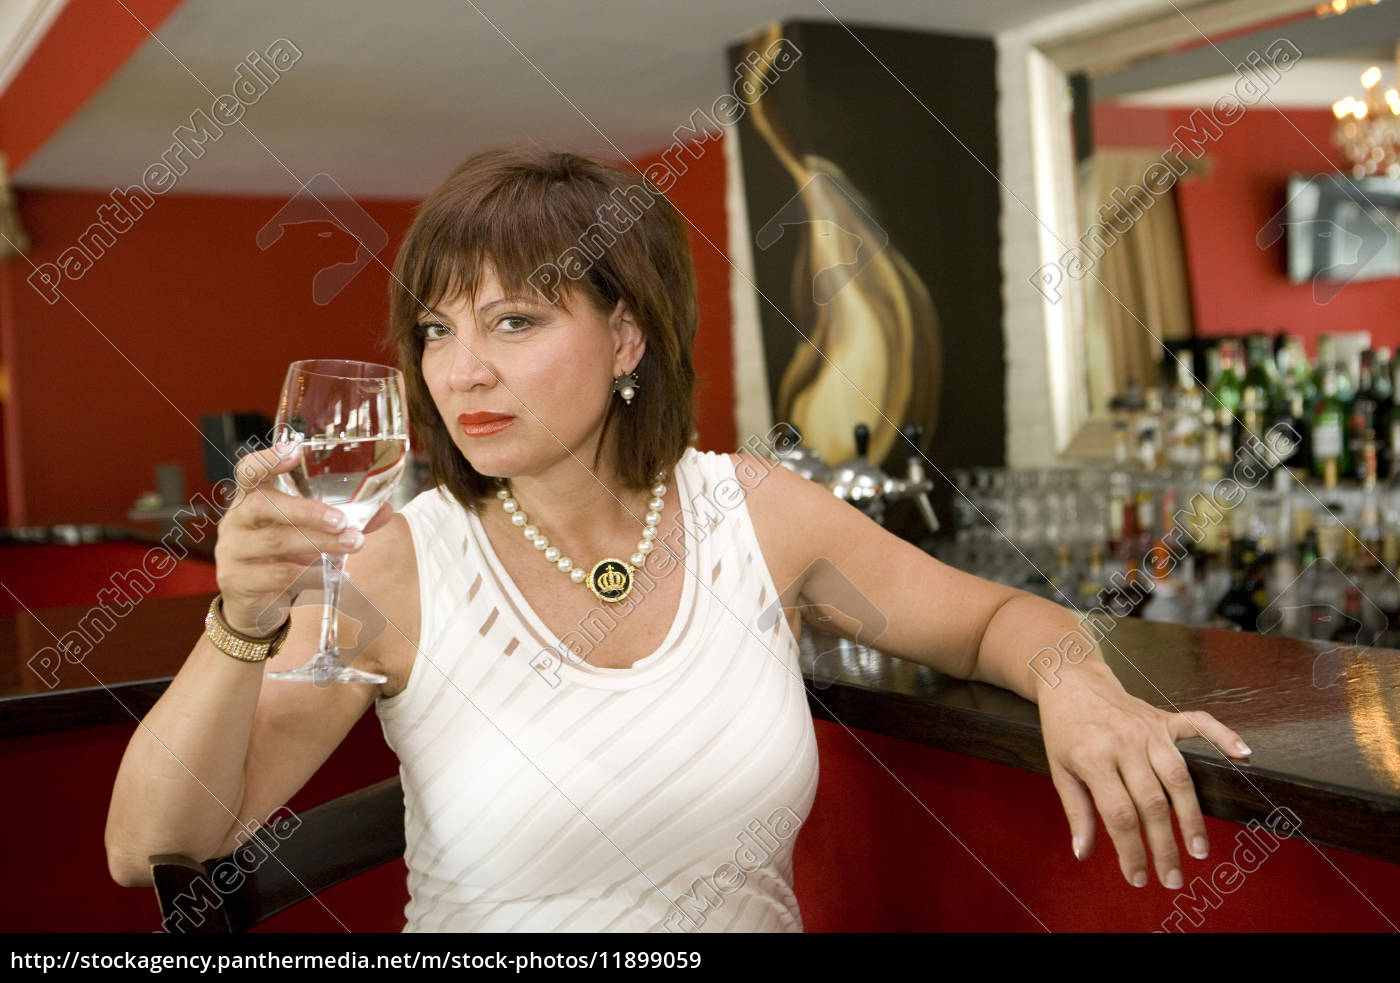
520,323
432,332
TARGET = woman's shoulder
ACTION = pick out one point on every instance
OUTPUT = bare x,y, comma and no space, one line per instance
784,509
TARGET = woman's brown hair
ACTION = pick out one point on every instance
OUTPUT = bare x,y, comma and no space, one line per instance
567,227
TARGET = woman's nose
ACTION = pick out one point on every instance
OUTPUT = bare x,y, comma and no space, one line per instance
468,369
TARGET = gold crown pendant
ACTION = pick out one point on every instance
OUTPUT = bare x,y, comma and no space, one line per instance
610,579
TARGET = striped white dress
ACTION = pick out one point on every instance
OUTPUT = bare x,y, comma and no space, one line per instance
544,794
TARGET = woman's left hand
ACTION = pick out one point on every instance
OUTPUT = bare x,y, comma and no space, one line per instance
1110,750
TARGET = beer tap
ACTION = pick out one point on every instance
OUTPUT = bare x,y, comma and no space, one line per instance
800,459
858,481
916,484
871,490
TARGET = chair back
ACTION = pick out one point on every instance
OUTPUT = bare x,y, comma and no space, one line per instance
281,864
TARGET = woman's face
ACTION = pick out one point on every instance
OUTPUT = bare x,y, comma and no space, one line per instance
548,370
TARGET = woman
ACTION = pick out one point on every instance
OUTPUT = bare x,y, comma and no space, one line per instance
572,760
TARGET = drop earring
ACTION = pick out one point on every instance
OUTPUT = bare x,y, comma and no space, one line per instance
626,386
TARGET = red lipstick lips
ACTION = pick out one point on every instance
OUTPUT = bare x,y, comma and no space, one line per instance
483,424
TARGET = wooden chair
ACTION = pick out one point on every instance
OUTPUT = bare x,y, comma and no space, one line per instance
334,842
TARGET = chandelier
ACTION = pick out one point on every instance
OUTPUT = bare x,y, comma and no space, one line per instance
1368,129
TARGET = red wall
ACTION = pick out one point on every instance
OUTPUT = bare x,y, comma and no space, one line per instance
1236,286
185,316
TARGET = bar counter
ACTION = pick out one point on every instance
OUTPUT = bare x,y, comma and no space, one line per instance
1323,722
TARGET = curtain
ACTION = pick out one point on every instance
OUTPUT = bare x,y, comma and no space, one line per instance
1136,293
14,240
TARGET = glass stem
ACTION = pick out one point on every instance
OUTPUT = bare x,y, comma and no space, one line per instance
333,572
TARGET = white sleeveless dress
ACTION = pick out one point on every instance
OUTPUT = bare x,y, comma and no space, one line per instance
544,794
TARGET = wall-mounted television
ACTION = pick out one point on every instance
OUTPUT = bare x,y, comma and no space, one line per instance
1341,228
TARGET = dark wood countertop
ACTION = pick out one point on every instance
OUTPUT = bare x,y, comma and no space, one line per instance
117,682
1323,722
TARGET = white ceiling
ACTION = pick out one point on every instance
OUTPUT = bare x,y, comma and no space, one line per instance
1310,84
388,97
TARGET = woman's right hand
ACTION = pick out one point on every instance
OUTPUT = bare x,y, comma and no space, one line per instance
268,538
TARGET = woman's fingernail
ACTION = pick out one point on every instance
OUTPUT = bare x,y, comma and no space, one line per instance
1173,880
1242,747
1140,879
334,520
352,538
1074,844
1199,848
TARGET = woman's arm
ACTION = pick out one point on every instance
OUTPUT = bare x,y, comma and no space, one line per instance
221,749
1106,748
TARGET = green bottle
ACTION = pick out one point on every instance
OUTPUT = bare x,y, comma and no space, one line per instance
1326,359
1260,392
1329,427
1228,386
1298,378
1262,374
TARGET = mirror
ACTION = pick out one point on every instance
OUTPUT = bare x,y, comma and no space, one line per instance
1167,147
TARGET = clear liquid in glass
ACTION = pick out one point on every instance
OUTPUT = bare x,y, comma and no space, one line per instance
354,475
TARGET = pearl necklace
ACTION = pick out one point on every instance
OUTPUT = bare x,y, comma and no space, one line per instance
610,579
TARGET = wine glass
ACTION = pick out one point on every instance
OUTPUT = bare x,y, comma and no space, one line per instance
349,418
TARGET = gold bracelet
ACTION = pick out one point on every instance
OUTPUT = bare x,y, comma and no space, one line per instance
243,647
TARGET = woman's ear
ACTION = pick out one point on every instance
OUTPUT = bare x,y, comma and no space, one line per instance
631,343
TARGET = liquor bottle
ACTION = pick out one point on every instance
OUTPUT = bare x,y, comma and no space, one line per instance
1326,359
1384,383
1345,389
1385,389
1187,400
1225,440
1120,443
1309,553
1254,415
1119,488
1326,585
1148,452
1297,377
1390,432
1330,528
1093,581
1350,629
1328,426
1227,388
1284,585
1063,583
1363,414
1292,415
1261,371
1245,598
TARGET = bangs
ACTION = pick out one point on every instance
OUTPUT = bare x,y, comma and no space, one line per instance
515,230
